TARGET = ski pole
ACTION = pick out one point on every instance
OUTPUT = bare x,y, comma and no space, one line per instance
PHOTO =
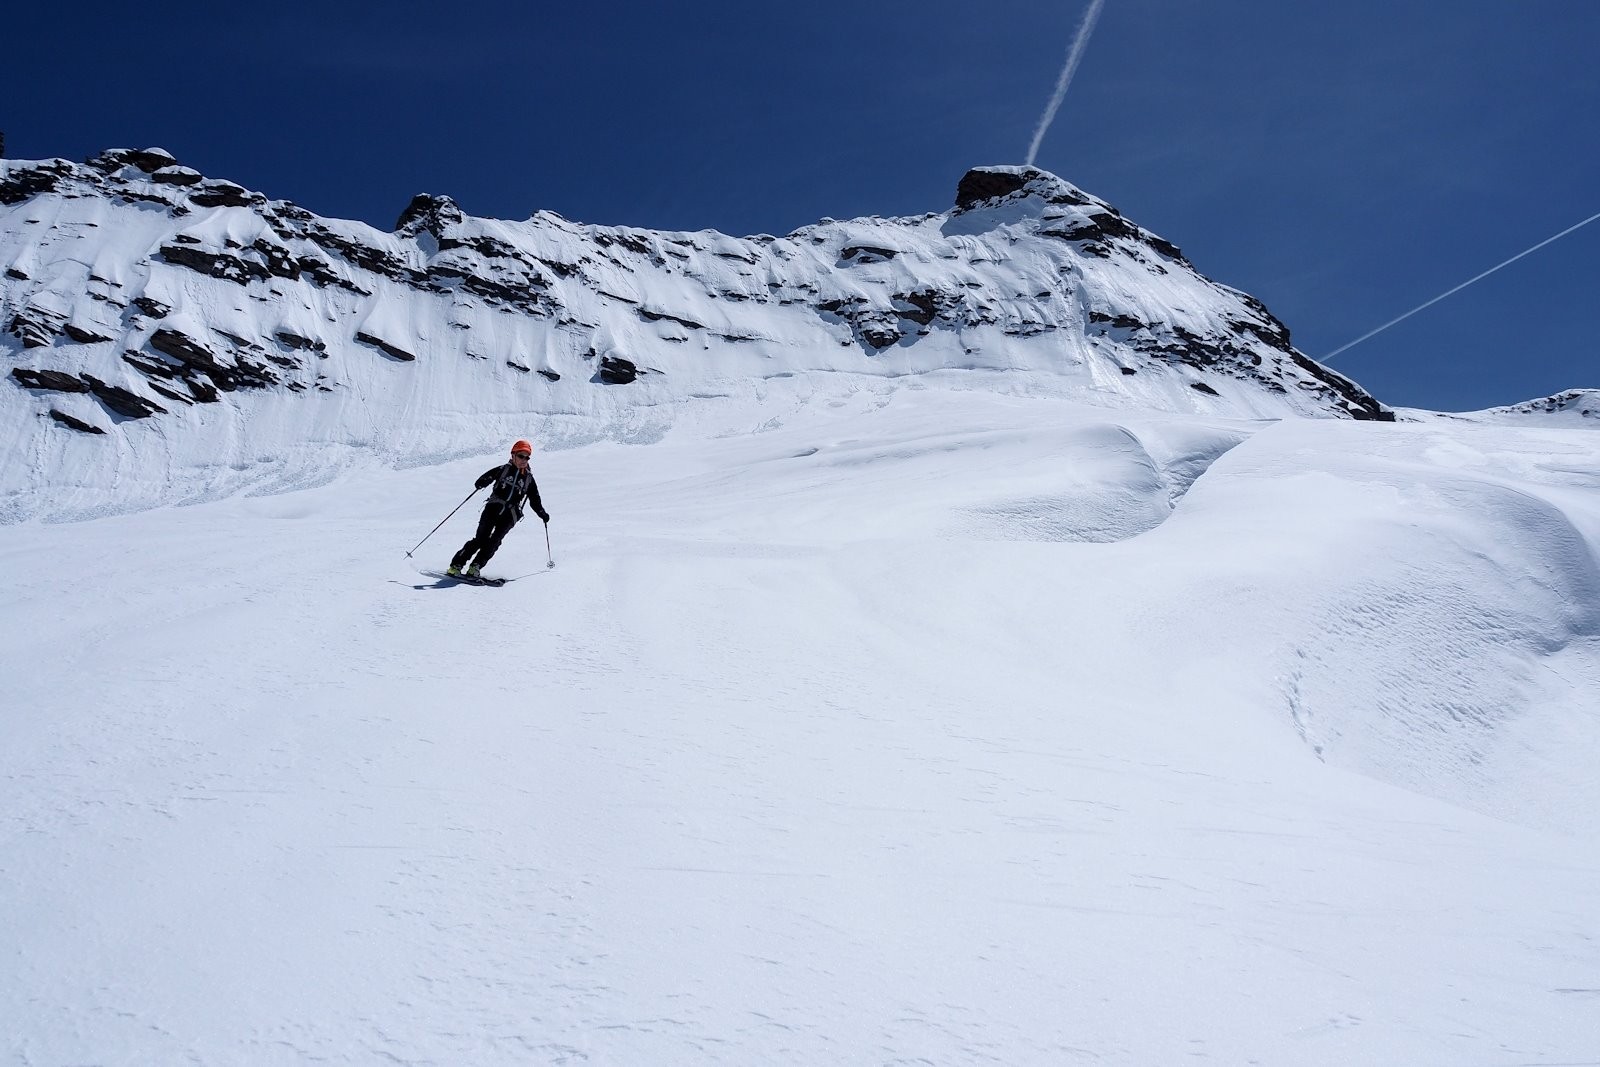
442,521
551,559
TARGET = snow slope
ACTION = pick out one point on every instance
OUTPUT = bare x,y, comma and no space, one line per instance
924,725
169,337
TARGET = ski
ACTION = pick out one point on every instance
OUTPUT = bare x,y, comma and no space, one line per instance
494,583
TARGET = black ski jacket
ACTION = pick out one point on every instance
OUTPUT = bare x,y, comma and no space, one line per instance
512,488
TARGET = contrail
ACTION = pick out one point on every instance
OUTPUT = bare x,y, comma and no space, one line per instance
1458,288
1074,55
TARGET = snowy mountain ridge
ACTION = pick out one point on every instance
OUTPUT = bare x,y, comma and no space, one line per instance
172,337
1571,406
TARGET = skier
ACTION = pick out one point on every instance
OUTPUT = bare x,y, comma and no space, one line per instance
513,485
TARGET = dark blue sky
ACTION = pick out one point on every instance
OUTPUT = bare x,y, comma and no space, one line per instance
1342,161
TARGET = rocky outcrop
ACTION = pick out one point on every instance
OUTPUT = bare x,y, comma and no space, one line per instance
63,419
36,327
984,185
989,183
614,370
867,254
301,344
269,261
216,193
124,402
661,316
390,350
196,358
176,176
78,335
149,160
24,183
1356,401
428,214
49,380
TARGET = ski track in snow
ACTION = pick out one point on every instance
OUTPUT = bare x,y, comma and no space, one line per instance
947,728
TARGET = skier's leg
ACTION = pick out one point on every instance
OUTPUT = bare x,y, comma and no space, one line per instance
488,546
486,523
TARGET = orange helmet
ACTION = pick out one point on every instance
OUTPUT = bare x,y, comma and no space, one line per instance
522,446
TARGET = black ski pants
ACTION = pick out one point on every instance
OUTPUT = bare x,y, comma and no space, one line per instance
493,526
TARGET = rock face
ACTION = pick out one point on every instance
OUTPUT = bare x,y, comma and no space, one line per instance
202,292
430,214
616,371
49,380
392,351
74,424
992,183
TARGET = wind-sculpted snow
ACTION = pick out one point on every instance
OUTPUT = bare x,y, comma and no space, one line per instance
918,726
174,337
1432,604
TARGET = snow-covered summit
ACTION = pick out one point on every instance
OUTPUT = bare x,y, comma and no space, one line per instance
1570,408
1576,407
171,336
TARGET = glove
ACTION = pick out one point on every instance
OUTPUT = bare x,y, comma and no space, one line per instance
544,517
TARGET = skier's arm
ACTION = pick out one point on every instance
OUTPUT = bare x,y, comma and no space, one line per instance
487,477
534,502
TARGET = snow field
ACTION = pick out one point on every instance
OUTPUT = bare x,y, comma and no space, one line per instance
921,727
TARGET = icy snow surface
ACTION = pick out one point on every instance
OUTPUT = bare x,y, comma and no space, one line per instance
921,726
